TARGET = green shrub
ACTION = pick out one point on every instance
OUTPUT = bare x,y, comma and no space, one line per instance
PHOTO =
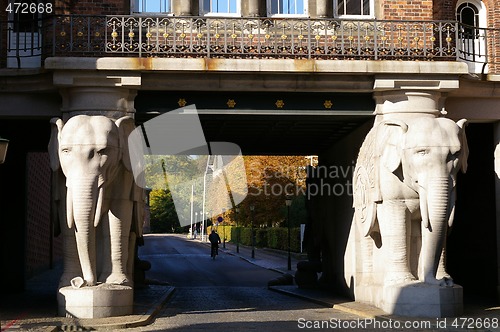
272,237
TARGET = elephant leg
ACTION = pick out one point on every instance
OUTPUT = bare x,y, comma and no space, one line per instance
120,218
366,244
394,220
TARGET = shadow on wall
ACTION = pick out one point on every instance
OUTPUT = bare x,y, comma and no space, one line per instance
472,243
332,206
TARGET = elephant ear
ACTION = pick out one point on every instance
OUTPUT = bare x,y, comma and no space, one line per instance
55,134
58,180
125,126
464,154
390,143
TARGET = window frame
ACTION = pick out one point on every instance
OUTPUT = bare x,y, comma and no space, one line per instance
204,12
135,4
370,16
270,14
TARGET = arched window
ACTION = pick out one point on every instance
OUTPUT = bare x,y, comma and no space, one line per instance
151,6
287,7
468,14
220,7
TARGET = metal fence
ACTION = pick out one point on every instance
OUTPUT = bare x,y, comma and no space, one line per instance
168,36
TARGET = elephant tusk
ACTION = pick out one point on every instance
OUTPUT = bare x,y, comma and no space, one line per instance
98,210
70,218
453,197
424,209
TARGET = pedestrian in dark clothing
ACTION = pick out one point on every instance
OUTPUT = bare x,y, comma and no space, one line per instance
214,240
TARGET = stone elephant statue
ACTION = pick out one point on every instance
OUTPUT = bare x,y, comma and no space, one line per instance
406,173
97,206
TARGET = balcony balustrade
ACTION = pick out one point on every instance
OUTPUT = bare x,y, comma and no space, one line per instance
212,37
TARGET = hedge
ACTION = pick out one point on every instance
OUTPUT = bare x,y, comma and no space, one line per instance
271,237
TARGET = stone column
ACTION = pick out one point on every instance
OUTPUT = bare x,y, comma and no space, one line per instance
411,97
497,193
182,7
320,8
97,93
251,8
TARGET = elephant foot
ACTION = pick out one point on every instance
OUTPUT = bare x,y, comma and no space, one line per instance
399,278
443,282
118,279
78,282
65,279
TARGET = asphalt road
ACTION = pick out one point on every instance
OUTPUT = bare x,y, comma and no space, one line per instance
186,263
228,294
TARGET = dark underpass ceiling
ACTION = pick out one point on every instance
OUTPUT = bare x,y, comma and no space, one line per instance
300,125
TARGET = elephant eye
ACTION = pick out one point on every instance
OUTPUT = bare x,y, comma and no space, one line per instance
422,152
65,150
101,151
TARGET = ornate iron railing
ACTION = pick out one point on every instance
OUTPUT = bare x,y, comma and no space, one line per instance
168,36
257,38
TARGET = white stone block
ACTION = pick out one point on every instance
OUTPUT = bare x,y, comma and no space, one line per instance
99,301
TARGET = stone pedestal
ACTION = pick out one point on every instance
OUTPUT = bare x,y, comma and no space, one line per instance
414,300
99,301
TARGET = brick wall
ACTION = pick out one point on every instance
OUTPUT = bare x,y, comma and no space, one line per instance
3,38
38,228
93,7
493,14
444,9
407,9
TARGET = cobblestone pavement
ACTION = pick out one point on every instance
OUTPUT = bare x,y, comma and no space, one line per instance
160,307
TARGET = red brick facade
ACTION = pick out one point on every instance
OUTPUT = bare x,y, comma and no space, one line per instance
407,10
40,244
93,7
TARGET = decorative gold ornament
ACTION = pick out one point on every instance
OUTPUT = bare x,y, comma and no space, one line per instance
328,104
231,103
279,103
182,102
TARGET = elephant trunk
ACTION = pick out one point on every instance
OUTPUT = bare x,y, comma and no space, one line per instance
84,201
434,206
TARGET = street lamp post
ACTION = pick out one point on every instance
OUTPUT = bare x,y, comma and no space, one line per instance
288,204
195,228
206,225
237,210
252,208
224,232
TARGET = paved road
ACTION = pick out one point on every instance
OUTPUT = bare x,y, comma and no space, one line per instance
228,294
